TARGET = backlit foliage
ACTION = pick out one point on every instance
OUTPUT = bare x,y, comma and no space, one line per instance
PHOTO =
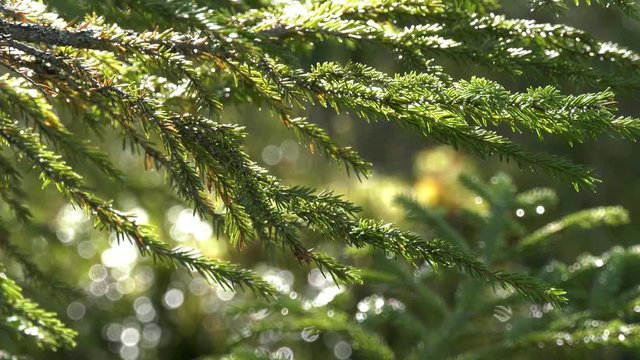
159,74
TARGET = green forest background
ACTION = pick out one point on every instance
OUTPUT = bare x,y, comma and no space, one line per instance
134,310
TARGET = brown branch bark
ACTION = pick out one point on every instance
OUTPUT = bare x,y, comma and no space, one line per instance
87,39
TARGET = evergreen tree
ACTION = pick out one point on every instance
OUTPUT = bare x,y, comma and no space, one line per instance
159,74
430,319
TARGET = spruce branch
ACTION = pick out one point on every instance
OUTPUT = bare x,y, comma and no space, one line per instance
33,275
108,39
586,219
537,197
28,320
449,124
32,107
438,252
628,7
316,136
365,343
11,190
155,88
619,333
416,212
72,186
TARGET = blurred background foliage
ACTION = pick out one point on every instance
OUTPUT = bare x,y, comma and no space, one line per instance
135,310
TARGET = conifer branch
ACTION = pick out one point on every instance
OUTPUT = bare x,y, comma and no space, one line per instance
159,86
316,136
33,274
585,219
72,186
629,7
28,320
11,190
438,252
416,212
365,343
31,107
537,197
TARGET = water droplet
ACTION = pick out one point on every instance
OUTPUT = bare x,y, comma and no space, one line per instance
310,334
598,263
284,353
